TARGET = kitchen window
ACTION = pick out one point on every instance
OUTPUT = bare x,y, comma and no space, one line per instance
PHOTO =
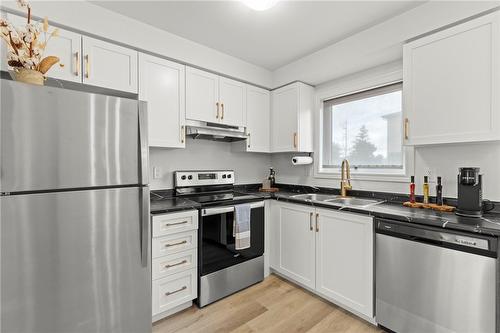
364,128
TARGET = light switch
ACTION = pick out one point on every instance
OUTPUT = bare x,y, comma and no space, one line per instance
156,172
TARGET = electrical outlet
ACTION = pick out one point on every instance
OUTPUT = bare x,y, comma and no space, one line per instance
156,172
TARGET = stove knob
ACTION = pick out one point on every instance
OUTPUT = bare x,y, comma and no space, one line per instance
183,177
223,176
190,177
229,176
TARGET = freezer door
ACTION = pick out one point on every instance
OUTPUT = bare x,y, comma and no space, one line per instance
71,262
55,138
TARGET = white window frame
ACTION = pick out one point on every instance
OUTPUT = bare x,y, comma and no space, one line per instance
360,82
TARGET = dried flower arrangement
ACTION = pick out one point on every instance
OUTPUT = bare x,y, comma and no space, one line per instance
25,47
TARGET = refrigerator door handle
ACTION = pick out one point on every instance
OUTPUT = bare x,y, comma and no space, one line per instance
143,144
145,221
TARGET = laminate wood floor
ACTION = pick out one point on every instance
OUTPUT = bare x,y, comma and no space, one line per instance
275,305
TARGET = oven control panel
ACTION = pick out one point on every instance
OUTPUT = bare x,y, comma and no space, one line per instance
201,178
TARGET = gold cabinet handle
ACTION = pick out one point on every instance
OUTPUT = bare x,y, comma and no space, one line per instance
217,104
222,107
311,221
77,63
248,140
406,128
175,291
176,223
176,264
87,66
175,244
183,134
295,140
317,222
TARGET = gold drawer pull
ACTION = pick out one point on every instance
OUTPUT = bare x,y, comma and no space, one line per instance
217,104
87,66
248,140
317,222
406,128
175,291
311,221
177,264
176,223
77,63
183,134
222,107
175,244
294,140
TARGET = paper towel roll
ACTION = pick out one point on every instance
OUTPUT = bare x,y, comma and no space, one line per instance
301,160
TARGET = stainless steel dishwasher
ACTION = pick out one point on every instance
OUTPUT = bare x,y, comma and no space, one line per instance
434,280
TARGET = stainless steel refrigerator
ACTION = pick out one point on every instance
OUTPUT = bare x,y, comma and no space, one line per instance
74,212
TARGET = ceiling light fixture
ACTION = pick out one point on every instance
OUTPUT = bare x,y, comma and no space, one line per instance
260,5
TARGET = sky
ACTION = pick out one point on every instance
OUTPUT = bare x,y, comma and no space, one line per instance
368,112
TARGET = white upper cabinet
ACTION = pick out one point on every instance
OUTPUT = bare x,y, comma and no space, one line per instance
292,118
108,65
202,95
232,96
215,99
258,120
344,259
66,46
162,86
451,84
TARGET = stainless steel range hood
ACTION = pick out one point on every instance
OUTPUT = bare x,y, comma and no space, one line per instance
215,132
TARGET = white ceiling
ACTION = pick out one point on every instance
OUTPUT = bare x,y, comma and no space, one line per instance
272,38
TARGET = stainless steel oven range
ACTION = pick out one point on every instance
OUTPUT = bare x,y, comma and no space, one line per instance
222,270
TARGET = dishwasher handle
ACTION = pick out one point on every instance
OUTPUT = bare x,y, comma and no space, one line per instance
438,236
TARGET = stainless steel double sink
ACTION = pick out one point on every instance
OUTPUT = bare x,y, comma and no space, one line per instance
336,199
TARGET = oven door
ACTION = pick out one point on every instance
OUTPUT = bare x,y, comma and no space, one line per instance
217,243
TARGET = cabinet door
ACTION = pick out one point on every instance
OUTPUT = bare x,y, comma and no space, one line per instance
202,96
109,66
232,96
295,256
67,46
285,107
451,84
258,120
344,262
161,85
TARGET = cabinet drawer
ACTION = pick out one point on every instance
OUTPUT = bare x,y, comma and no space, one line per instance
176,222
173,290
174,263
175,243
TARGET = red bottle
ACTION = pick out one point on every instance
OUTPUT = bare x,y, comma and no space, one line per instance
412,189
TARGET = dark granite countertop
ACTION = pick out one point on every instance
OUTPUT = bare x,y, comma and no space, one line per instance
391,208
164,202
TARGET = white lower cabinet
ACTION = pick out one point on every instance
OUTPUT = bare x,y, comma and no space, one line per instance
344,259
174,253
293,242
327,251
174,290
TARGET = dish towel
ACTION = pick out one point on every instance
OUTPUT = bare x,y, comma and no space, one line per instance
241,226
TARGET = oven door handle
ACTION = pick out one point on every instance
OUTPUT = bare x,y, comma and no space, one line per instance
227,209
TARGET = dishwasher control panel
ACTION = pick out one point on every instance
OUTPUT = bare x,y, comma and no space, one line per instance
436,235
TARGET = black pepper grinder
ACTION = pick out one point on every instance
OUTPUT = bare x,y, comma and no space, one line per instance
272,177
439,192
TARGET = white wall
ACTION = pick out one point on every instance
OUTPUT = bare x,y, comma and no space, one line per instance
442,161
92,19
377,45
204,154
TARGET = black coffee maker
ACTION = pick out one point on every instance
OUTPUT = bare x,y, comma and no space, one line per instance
470,194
